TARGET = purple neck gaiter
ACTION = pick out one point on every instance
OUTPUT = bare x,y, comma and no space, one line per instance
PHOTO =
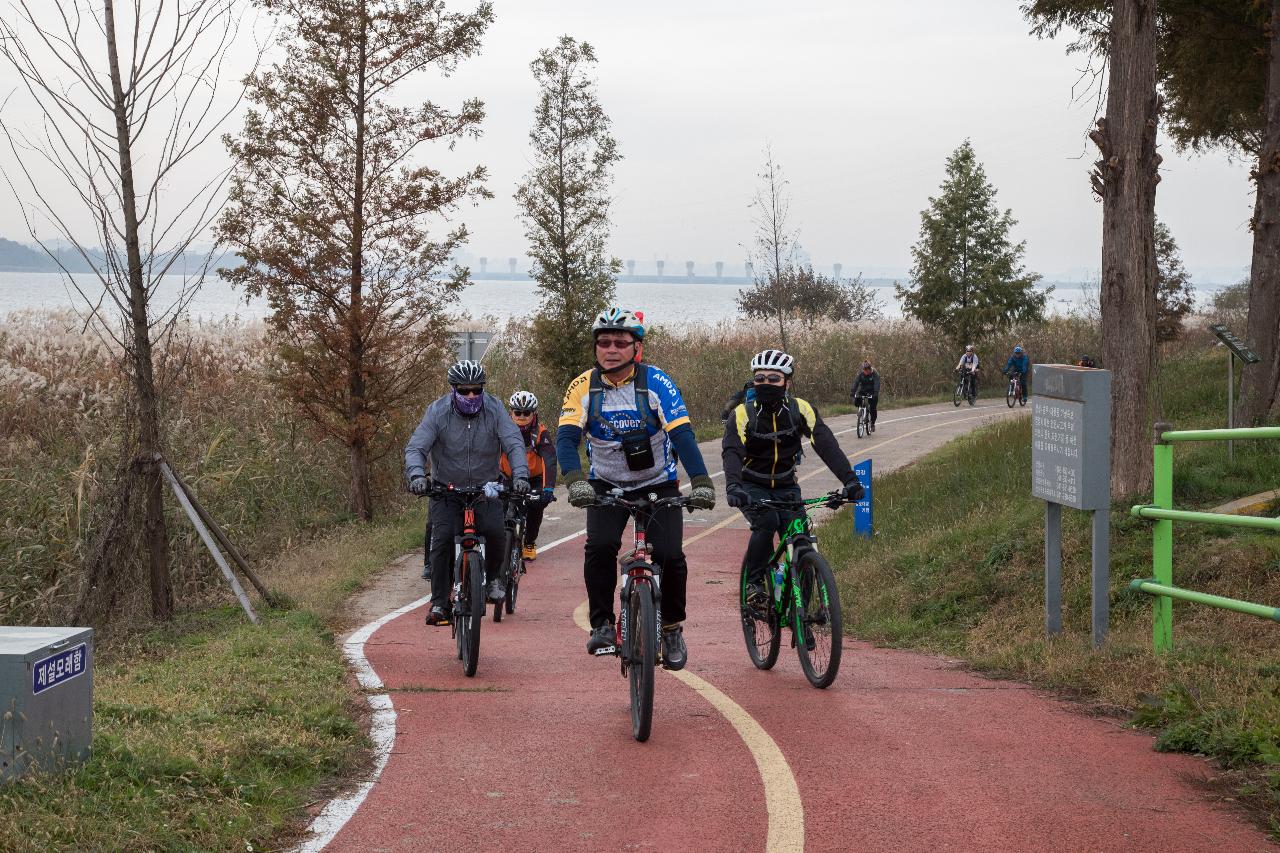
469,406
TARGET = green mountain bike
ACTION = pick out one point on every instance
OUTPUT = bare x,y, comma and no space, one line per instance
802,595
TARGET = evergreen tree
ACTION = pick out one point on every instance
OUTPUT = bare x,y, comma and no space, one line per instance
967,279
330,211
811,296
565,201
1174,297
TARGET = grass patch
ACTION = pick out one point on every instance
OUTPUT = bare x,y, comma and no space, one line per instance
211,734
956,567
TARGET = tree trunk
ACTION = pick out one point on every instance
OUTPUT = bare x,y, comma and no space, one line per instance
155,533
1126,175
1260,383
357,411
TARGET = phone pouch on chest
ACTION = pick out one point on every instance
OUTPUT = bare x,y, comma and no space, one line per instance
637,449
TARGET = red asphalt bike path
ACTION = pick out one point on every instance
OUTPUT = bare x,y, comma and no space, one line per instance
904,752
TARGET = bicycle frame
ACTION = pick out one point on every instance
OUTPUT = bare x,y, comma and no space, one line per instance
632,565
793,543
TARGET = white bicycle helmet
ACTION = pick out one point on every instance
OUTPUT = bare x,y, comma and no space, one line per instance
773,359
968,347
523,401
466,372
619,320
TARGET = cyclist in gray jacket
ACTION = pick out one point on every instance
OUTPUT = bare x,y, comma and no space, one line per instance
465,433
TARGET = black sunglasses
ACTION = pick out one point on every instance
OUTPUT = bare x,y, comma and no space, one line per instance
763,379
524,413
469,392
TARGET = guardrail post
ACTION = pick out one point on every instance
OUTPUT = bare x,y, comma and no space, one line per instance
1162,540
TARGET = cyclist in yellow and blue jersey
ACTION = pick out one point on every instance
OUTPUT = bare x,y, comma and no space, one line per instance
636,425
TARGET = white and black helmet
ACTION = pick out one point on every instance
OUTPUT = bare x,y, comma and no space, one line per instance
773,359
619,320
466,372
523,401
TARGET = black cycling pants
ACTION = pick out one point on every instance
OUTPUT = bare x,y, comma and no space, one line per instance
533,513
444,521
765,524
664,531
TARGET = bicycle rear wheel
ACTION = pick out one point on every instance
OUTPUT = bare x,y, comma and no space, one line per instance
817,625
641,651
760,628
473,616
500,606
973,391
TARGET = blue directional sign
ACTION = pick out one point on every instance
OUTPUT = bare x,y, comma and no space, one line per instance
862,508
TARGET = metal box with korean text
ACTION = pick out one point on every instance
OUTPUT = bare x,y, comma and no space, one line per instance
1071,436
46,698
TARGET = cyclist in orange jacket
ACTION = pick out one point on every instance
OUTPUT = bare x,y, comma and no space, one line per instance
540,453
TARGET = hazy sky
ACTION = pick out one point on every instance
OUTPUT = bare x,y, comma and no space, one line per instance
861,100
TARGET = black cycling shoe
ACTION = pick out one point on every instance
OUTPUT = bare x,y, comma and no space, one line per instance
602,637
438,616
674,653
497,590
757,596
426,573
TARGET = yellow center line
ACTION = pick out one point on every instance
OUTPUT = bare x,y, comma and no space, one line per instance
781,793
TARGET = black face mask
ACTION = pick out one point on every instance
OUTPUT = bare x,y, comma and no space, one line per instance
771,396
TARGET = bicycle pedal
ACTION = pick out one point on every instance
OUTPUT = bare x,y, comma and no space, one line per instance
607,650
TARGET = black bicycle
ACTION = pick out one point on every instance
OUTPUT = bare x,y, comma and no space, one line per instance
468,593
513,568
640,614
966,387
863,403
801,592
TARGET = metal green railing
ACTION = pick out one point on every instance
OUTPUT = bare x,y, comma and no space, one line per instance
1163,515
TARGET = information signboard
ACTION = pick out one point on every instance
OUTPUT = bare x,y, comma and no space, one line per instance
1071,436
1237,346
862,508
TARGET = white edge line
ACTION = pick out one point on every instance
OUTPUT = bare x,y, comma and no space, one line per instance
382,726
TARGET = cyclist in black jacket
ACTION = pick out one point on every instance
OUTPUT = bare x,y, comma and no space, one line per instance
761,450
867,384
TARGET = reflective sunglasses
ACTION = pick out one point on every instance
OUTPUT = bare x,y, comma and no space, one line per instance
519,413
763,379
613,343
469,392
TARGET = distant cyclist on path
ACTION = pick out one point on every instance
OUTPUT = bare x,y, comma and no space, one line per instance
1019,365
464,433
761,450
635,423
867,384
968,365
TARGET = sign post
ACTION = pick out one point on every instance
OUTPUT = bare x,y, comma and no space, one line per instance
1236,348
862,509
1071,466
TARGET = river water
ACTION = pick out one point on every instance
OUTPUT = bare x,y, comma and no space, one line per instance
672,303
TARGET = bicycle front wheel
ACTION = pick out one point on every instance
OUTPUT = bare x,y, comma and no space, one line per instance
862,423
473,617
958,395
641,651
760,627
1011,395
817,621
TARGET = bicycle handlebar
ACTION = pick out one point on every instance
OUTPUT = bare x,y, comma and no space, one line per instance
831,499
642,504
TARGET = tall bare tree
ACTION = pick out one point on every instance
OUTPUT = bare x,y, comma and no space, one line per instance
1260,383
564,201
124,97
1124,32
330,209
773,254
1125,176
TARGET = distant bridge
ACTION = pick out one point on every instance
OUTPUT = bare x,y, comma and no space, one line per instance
712,274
